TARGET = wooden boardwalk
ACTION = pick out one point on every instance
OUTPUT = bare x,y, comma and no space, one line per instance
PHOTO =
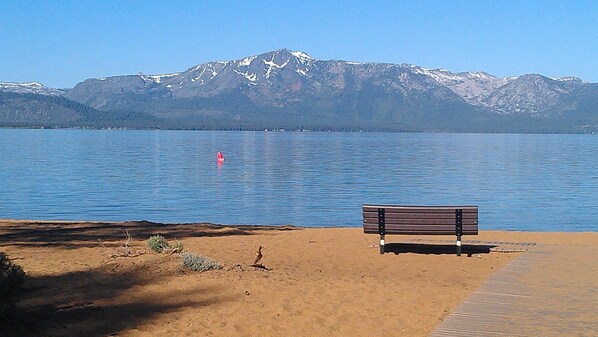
548,291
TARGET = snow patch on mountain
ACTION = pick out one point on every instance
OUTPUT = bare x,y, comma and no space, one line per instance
247,61
30,88
199,75
250,76
473,87
301,71
570,79
158,78
271,65
274,65
214,73
302,57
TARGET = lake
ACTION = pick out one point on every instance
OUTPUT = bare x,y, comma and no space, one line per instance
519,182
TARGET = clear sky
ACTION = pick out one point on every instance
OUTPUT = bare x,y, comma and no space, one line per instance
60,43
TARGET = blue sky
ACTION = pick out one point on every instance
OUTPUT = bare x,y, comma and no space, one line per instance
61,43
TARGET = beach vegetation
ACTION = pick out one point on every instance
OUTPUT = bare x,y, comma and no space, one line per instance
12,277
197,262
159,244
177,246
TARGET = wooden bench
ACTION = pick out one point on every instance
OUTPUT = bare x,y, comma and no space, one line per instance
420,220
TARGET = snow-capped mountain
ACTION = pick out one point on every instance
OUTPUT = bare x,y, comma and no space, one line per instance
280,78
285,88
531,94
471,86
30,88
283,77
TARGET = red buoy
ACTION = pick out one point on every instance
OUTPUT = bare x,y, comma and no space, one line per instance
220,157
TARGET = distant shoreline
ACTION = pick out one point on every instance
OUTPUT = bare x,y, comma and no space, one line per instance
116,128
258,226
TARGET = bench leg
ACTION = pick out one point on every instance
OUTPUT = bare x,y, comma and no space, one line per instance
381,244
458,245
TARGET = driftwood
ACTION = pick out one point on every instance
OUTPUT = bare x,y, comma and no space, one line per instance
171,250
125,250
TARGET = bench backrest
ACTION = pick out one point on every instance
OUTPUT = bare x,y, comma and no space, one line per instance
419,220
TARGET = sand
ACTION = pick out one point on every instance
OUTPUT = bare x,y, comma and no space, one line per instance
322,281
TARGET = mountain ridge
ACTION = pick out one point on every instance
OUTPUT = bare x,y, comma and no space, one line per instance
291,89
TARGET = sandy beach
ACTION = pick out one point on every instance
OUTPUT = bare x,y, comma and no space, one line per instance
321,281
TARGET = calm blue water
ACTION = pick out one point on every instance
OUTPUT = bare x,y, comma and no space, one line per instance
520,182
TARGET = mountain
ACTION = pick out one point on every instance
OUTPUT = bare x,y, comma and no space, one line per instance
45,110
292,90
30,88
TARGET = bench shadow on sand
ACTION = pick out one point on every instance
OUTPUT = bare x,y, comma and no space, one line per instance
436,249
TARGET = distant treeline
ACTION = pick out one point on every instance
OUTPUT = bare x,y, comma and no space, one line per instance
223,113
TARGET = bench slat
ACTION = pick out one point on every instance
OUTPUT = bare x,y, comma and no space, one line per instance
423,227
372,225
424,209
419,211
447,230
451,215
400,221
415,232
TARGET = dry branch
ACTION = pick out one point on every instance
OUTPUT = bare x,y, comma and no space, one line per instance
125,250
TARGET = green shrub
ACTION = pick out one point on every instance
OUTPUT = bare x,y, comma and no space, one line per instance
157,243
177,246
12,277
198,262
